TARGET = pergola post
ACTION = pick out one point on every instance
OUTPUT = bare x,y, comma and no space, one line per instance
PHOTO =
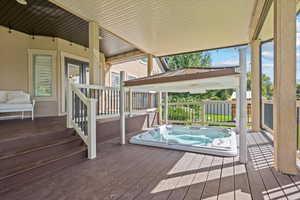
94,58
159,107
285,125
149,65
243,107
130,99
255,85
237,109
166,107
122,107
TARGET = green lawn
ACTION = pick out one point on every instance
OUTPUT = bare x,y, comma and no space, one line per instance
218,118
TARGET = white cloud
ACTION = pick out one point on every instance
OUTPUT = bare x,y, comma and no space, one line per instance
227,63
298,26
298,38
267,53
267,65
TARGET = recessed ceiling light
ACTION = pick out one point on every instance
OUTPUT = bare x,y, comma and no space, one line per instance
23,2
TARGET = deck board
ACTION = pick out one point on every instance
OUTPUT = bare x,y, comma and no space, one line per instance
166,186
273,188
134,172
241,181
226,190
184,183
211,187
286,183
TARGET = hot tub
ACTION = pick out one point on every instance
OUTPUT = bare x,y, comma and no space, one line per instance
208,140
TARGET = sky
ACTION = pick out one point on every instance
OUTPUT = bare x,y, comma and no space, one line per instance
229,56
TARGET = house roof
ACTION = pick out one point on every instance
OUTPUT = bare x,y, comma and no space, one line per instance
194,80
248,95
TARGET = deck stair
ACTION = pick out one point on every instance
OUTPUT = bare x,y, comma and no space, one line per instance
31,157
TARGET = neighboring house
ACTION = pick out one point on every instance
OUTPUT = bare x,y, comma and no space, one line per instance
233,106
133,69
233,96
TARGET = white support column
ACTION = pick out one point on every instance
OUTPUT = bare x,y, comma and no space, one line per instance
94,53
237,109
285,125
69,105
92,143
166,107
130,102
149,65
122,108
159,106
243,149
255,85
203,114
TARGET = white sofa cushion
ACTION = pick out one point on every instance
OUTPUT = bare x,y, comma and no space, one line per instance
18,97
6,106
3,96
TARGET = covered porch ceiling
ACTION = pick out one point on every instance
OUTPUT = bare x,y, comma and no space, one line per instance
41,17
170,27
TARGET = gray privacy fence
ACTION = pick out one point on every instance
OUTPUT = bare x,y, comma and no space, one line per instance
268,115
218,108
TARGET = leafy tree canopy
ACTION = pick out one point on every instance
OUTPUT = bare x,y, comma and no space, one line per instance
199,59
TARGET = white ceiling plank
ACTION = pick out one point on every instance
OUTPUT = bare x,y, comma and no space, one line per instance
167,27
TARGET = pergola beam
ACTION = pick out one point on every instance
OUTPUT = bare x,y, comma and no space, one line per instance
259,16
125,57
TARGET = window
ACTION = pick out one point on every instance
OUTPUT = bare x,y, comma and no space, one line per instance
115,79
267,70
42,75
42,78
129,77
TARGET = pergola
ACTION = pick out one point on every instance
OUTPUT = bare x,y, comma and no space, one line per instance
196,80
161,28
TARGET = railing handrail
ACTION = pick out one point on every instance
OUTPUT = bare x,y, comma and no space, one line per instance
82,96
201,102
205,102
99,87
87,134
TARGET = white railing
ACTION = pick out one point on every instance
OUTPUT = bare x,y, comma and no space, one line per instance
82,117
108,100
204,113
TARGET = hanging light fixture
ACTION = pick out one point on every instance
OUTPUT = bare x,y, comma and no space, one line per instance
23,2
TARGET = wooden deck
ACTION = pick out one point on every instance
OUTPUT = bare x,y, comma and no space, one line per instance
135,172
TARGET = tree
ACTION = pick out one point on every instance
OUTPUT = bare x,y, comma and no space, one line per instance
187,60
266,86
